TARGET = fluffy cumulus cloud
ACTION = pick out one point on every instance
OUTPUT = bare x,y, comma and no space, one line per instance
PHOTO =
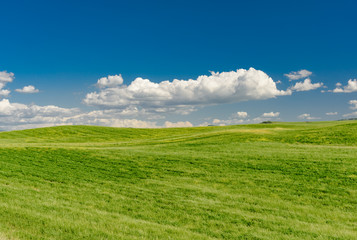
4,92
271,114
27,89
306,85
353,103
350,87
110,81
307,116
298,75
8,77
242,114
183,96
331,113
5,77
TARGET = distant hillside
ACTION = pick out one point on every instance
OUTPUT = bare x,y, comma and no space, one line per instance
334,132
259,181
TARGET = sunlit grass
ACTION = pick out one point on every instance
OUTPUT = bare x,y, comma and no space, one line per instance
264,181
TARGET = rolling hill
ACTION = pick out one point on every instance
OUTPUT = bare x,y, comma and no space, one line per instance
260,181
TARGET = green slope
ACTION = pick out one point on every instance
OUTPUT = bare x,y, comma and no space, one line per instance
263,181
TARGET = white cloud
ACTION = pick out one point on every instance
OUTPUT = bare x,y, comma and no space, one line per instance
6,77
177,124
235,119
18,110
131,123
110,81
260,119
307,116
266,117
242,114
180,95
353,103
14,116
220,122
354,107
204,124
19,116
4,92
216,121
27,89
337,90
350,87
331,113
350,115
113,118
306,85
298,75
271,114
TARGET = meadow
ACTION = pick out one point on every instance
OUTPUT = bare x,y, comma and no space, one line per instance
259,181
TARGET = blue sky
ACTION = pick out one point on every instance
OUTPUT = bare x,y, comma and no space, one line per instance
64,48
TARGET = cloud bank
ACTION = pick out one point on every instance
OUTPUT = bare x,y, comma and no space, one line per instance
184,95
143,101
15,116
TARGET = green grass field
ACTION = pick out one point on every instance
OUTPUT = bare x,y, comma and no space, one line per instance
262,181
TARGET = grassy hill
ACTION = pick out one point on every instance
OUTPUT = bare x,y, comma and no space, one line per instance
262,181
